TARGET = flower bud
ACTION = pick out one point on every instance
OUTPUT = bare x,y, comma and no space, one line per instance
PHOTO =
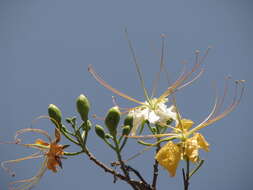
55,114
83,107
86,126
126,130
108,136
112,120
129,121
169,121
100,131
153,130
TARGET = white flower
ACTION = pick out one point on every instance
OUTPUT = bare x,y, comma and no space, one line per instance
154,111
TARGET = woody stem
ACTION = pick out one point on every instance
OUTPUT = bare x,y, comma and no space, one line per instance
122,165
186,175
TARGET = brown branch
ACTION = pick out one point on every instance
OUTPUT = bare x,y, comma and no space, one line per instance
139,185
104,166
123,168
137,173
155,175
186,176
155,170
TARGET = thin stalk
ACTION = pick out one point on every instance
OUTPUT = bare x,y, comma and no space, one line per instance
122,165
186,176
155,166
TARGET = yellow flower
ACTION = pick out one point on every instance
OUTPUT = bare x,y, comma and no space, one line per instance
170,154
51,151
189,140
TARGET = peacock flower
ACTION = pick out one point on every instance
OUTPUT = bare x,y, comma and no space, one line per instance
50,151
154,112
154,109
189,141
171,153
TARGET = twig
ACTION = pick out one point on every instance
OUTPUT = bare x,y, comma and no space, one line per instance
155,168
155,175
137,173
123,167
138,185
186,176
103,166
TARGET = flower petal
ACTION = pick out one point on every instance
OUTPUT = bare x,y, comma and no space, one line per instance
192,149
187,123
202,142
192,146
41,142
169,157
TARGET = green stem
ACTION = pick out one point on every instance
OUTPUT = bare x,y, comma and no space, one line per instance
123,144
68,137
196,169
122,165
73,153
109,144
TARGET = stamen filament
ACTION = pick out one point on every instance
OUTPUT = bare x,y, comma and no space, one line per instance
106,85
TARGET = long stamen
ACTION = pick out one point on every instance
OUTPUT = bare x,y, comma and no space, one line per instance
236,100
177,112
191,81
27,184
8,170
169,126
184,77
207,118
174,86
151,136
21,131
148,148
221,102
156,81
137,66
106,85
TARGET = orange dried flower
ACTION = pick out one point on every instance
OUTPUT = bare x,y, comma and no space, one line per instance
51,151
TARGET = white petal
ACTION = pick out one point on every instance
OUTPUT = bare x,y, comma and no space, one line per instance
153,117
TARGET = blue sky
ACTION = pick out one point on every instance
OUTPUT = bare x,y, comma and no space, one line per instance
46,46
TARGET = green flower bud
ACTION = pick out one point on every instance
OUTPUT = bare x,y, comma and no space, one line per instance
153,130
55,114
86,126
126,130
108,136
112,120
129,121
169,121
100,131
83,107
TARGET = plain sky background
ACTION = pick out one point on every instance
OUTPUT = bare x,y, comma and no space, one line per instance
46,46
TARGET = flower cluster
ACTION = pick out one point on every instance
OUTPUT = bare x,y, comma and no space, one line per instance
188,148
156,112
51,151
161,116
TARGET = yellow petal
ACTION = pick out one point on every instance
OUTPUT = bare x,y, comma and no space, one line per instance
41,142
169,157
191,149
202,142
187,123
193,144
